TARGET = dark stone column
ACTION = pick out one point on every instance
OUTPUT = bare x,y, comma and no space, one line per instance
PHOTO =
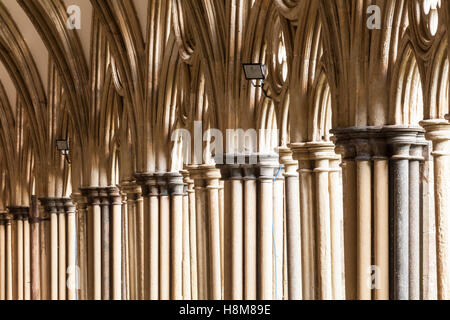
400,139
106,247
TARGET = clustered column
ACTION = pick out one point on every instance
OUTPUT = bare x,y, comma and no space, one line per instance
383,166
321,220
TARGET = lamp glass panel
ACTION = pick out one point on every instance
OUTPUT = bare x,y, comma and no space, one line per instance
62,145
254,71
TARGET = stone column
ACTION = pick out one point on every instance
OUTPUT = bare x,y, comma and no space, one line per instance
267,165
175,183
415,195
26,256
115,201
438,131
401,139
2,256
106,244
82,254
201,230
19,214
49,205
321,153
94,242
164,240
212,176
192,235
125,247
293,224
278,233
250,232
34,251
73,280
62,268
133,192
9,256
187,293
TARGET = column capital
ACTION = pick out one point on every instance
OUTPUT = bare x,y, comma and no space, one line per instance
92,194
114,195
176,183
161,182
322,151
69,206
287,160
401,139
59,204
436,129
131,188
79,200
19,212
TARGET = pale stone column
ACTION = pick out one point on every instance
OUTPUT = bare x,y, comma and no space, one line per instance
415,195
278,233
115,201
62,269
133,192
18,213
236,230
125,248
9,256
401,139
106,244
267,165
201,228
337,227
26,256
81,204
192,235
307,220
49,205
321,154
212,176
175,183
250,232
293,225
381,216
187,292
34,221
165,243
94,242
70,211
2,256
438,131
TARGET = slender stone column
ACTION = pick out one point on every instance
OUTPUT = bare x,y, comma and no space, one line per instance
381,215
19,213
212,176
321,153
267,165
278,233
94,242
250,232
34,251
81,203
61,249
401,139
416,157
133,192
175,183
9,256
26,256
307,219
292,224
125,248
336,227
202,227
49,205
115,201
187,293
2,256
438,131
237,230
106,244
73,280
165,243
192,235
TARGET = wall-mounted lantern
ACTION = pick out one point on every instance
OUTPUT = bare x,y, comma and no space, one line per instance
256,73
63,147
